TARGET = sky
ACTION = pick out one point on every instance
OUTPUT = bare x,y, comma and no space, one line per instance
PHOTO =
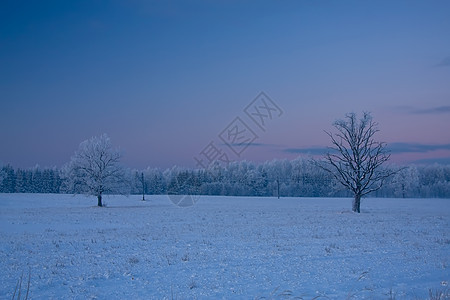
170,81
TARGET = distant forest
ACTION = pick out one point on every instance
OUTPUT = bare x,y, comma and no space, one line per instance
287,178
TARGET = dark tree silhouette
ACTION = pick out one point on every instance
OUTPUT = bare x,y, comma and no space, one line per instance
355,159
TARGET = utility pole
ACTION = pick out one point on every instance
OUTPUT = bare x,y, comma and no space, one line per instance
143,186
278,187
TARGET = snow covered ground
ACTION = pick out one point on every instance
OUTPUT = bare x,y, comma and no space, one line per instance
223,247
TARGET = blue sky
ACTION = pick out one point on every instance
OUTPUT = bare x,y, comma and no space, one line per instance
164,78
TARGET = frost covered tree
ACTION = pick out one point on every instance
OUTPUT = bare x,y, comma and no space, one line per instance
8,183
406,182
2,176
22,184
94,169
355,158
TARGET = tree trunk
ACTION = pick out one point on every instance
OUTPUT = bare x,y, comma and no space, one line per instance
357,203
99,198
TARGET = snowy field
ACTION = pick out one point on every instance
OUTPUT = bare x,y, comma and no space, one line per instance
223,248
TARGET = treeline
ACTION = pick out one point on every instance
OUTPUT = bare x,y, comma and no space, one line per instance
287,178
35,180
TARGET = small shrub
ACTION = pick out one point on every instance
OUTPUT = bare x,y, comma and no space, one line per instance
439,295
133,260
391,294
192,284
185,257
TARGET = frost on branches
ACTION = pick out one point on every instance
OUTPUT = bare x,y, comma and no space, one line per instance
355,158
94,169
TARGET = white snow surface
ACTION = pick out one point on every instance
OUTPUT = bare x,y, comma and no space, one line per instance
223,248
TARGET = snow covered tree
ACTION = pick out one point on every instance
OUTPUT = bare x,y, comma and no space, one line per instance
2,176
406,182
22,184
94,169
8,184
434,179
355,159
37,180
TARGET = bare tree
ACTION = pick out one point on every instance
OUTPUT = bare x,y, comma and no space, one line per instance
355,159
94,169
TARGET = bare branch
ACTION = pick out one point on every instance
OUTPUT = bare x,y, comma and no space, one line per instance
355,157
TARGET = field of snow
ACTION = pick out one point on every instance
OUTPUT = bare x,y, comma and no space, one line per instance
223,248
